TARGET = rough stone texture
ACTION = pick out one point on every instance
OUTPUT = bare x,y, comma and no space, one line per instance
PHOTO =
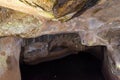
9,58
96,21
99,25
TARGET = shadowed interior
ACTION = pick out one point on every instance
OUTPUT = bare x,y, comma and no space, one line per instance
83,66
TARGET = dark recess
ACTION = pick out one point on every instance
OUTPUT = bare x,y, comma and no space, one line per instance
83,66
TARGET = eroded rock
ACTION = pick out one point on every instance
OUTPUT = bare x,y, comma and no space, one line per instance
9,58
98,25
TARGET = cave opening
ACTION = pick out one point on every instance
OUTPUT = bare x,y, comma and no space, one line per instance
82,66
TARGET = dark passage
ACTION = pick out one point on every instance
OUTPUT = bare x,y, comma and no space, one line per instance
74,67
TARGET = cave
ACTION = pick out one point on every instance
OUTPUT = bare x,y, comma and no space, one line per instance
82,66
74,26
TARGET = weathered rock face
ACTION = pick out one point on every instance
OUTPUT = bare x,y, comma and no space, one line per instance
9,58
52,9
94,19
98,25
